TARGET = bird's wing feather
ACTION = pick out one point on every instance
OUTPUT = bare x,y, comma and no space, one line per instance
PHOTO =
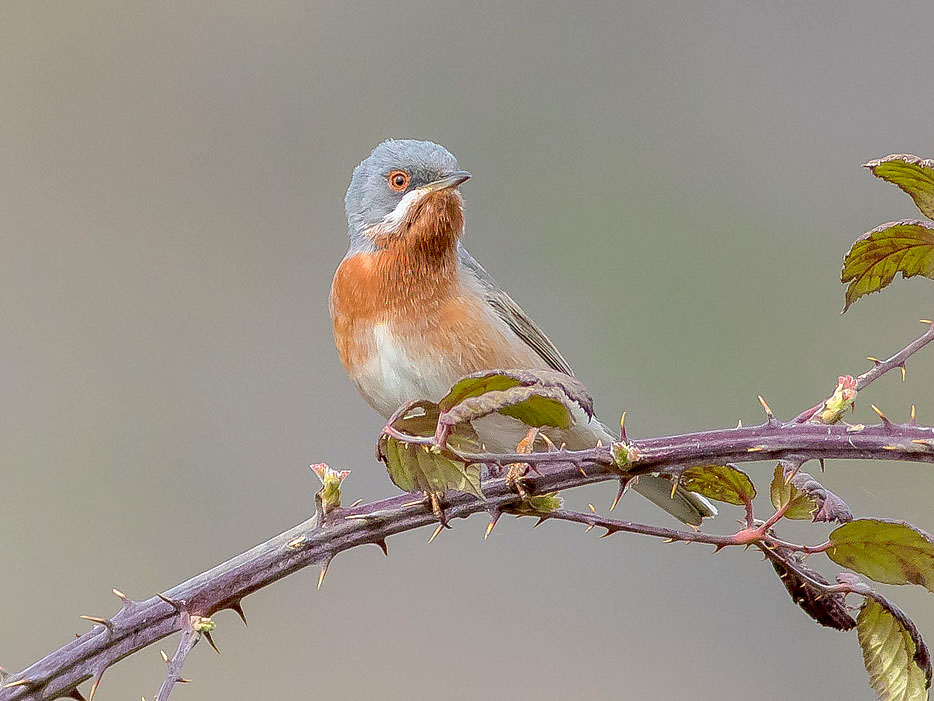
510,312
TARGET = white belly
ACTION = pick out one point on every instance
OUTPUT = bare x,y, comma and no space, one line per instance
391,377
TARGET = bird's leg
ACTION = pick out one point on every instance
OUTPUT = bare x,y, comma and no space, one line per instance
515,475
434,498
515,478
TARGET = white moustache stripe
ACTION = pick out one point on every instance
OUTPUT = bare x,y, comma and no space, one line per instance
392,222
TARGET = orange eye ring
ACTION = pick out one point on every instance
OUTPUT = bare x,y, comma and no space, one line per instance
398,180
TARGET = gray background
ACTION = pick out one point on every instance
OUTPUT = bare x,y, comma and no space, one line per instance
668,188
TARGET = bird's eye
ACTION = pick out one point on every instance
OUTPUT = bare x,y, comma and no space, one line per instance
398,180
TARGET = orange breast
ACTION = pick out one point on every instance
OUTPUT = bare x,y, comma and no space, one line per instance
407,331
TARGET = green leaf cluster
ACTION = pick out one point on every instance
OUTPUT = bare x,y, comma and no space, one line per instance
905,246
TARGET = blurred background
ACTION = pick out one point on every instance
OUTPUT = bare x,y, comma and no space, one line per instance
668,188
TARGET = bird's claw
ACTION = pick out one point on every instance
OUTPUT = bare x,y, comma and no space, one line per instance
516,479
434,500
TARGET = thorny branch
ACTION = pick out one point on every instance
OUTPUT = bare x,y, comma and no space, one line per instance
317,541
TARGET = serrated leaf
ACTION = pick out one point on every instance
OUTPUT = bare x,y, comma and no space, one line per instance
417,468
891,552
915,176
810,500
720,482
498,380
534,405
905,246
895,656
827,609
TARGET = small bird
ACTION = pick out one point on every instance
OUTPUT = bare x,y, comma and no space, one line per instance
413,311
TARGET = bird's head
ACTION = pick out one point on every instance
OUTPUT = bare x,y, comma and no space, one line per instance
405,189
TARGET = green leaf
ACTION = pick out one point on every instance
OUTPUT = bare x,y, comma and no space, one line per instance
499,380
896,658
537,504
720,482
905,246
891,552
915,176
535,405
809,499
418,468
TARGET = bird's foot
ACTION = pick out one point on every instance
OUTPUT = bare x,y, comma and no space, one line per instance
516,478
433,500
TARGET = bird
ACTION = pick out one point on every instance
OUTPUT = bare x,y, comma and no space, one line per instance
413,312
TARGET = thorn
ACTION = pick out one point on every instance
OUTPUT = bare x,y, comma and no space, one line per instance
589,528
382,546
882,416
171,602
106,622
911,416
76,695
904,371
563,446
765,406
21,682
580,469
210,638
541,520
821,461
237,607
95,684
669,540
592,510
739,424
674,488
356,503
622,427
435,534
411,504
874,361
494,517
755,449
548,442
927,321
120,595
182,680
609,532
891,447
623,484
324,571
296,543
599,443
165,658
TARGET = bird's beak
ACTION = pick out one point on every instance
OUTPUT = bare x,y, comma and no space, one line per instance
448,181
